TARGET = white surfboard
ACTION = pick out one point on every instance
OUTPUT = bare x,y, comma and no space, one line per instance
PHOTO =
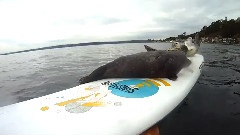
105,107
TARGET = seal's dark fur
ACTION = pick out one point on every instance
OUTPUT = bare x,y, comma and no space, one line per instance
151,64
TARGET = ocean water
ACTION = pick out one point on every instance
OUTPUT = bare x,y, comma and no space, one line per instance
212,106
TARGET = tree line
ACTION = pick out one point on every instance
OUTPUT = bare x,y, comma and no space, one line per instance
220,28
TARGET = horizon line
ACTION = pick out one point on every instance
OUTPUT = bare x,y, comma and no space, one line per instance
77,44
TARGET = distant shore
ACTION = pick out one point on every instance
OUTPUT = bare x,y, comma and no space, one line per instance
225,42
79,44
210,40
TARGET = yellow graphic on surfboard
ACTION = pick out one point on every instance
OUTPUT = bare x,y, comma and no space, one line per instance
97,95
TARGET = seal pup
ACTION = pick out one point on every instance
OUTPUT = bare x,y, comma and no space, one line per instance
190,48
151,64
177,47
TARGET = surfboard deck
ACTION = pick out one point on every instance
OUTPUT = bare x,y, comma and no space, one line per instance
106,107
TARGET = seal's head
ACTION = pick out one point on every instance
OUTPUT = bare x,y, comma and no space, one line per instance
192,46
176,45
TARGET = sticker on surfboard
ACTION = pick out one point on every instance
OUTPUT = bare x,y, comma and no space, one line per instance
135,88
84,100
94,96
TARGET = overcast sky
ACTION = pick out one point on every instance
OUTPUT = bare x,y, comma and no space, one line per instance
27,24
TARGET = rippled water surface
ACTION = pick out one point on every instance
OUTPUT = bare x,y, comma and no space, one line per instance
213,105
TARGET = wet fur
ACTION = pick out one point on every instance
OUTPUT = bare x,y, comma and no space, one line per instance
151,64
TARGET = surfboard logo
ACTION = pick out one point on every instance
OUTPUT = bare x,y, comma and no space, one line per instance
94,96
136,88
121,87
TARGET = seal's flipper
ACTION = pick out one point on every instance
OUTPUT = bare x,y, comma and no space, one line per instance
95,75
187,63
81,81
173,78
148,48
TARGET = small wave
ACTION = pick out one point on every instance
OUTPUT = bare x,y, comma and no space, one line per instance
223,50
3,71
225,62
33,60
206,81
236,69
44,56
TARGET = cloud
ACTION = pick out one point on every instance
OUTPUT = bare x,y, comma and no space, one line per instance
33,23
